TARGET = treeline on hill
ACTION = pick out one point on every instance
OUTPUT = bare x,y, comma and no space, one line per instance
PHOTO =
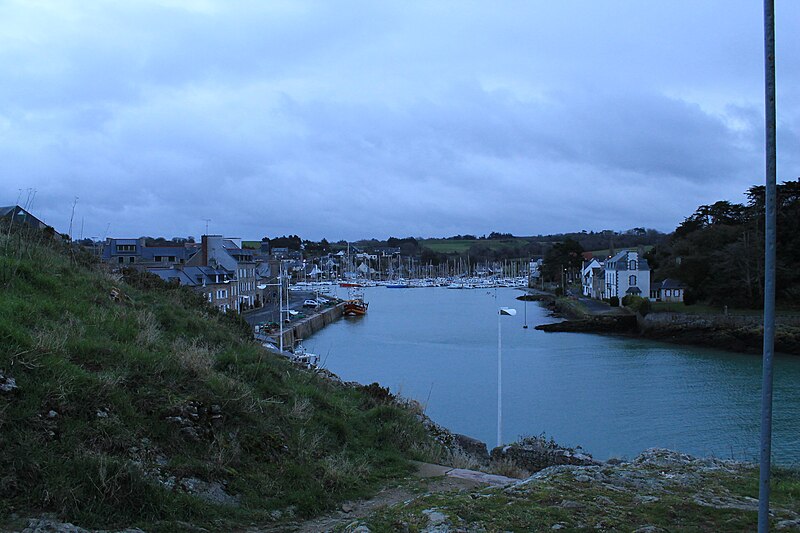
501,246
718,251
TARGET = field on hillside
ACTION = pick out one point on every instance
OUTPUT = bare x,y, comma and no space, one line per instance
449,246
606,252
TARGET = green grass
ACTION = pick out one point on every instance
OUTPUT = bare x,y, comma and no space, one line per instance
572,308
88,428
460,246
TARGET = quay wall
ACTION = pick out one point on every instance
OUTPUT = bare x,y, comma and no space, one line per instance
660,320
304,328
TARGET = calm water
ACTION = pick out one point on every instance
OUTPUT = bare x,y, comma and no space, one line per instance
613,396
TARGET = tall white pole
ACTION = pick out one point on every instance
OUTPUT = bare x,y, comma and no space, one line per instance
280,302
499,379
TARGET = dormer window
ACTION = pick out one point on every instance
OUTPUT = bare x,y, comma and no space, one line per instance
632,265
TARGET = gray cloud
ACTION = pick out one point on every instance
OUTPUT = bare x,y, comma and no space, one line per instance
361,119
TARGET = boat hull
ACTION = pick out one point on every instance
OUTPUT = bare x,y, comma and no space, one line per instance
355,308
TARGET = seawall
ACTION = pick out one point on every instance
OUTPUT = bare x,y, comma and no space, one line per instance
305,327
735,333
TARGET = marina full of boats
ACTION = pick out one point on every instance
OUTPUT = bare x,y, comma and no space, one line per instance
328,287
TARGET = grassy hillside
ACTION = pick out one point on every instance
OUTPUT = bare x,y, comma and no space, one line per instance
132,403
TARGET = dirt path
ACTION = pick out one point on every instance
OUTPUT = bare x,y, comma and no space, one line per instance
427,479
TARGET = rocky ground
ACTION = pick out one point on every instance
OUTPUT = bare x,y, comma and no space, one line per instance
661,490
560,489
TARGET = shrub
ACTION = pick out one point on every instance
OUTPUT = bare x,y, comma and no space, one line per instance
689,297
613,301
637,304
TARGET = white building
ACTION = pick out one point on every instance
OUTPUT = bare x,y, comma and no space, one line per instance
592,279
626,274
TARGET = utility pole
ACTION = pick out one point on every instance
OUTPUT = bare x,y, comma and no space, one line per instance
280,303
770,239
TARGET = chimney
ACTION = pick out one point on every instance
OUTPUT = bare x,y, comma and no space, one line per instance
204,249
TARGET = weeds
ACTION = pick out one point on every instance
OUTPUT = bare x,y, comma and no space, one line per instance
339,471
149,332
194,356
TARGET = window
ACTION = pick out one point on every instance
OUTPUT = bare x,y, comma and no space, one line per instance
131,259
120,259
210,297
667,292
631,280
632,265
677,292
126,247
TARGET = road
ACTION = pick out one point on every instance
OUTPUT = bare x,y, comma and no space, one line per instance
269,313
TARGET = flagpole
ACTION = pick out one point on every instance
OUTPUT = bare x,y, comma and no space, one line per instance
499,379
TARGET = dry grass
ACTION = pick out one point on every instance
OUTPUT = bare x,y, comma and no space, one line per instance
310,442
194,356
55,338
505,467
458,458
226,449
149,332
338,470
301,409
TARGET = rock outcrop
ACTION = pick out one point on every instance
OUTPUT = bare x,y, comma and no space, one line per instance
534,454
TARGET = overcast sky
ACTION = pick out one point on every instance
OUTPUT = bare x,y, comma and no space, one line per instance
348,120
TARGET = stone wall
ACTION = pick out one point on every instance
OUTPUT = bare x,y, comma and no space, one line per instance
659,320
302,329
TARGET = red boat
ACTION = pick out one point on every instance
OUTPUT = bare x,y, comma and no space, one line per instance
355,307
350,284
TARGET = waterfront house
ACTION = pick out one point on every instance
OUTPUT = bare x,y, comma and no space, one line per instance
592,279
626,274
668,290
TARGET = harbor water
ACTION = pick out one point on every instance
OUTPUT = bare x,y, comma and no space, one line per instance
613,396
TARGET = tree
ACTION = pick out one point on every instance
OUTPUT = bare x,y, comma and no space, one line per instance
718,251
563,255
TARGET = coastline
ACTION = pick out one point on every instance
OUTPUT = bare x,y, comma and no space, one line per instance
741,334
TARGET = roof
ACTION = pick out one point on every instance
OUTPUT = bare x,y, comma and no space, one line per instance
633,290
620,262
170,274
22,215
179,252
672,284
191,276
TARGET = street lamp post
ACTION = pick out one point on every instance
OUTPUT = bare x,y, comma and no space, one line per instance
503,311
